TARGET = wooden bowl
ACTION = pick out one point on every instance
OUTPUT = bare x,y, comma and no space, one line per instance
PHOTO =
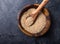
45,29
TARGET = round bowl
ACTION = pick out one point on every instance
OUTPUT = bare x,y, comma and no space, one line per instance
45,12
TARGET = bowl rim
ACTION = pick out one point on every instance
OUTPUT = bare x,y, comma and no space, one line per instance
45,11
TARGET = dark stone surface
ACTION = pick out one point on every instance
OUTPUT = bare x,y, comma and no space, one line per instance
9,31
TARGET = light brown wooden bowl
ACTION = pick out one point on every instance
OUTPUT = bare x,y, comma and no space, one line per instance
45,29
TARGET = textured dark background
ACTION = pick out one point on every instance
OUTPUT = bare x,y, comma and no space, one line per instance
9,31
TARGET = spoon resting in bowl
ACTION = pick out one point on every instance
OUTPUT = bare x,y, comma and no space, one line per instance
30,20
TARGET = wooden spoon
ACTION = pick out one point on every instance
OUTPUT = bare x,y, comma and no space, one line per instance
34,14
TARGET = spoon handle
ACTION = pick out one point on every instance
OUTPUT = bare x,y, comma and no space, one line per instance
35,13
